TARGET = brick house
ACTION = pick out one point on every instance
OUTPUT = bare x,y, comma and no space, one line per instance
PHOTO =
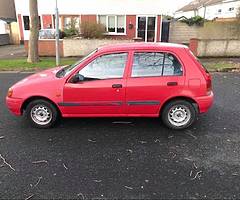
123,19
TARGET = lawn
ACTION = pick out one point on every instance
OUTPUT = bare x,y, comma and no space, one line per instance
212,65
22,64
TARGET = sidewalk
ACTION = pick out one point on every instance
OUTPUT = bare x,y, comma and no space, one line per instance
12,51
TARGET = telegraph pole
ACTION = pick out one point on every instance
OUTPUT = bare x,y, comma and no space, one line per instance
57,34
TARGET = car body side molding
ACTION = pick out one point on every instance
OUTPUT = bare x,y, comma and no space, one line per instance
143,103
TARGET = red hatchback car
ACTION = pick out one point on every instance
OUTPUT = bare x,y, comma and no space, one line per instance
125,80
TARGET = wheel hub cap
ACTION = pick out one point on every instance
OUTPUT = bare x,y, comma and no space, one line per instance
41,114
179,115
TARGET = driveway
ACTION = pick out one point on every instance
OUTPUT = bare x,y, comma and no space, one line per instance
124,158
12,51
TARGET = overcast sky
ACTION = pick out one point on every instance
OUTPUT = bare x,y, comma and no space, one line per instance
170,6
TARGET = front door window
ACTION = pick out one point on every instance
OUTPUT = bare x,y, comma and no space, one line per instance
106,67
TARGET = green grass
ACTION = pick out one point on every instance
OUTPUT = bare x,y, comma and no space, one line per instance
221,66
22,64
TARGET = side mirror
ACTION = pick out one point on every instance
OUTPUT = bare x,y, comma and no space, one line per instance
77,78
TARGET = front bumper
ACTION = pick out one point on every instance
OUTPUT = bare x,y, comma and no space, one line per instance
205,102
14,105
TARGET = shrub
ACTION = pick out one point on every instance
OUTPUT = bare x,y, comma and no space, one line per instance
71,29
197,20
92,30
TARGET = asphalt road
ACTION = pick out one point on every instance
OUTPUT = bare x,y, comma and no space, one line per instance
97,158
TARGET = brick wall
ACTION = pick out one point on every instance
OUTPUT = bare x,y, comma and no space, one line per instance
20,27
46,47
88,18
181,33
193,45
131,26
159,25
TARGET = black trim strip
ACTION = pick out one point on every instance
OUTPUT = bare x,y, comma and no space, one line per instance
68,104
136,103
104,103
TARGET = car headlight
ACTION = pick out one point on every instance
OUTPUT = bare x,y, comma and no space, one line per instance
10,92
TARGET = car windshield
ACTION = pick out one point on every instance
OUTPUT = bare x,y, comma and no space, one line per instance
66,70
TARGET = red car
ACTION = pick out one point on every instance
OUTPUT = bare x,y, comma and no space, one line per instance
125,80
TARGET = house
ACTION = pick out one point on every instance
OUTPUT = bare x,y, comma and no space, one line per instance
7,15
210,9
123,19
7,22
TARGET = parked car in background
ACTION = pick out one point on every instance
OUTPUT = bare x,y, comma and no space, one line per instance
125,80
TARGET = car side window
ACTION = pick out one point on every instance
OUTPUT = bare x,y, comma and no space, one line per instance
147,64
172,67
106,67
151,64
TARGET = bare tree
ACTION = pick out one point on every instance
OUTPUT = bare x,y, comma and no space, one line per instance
34,26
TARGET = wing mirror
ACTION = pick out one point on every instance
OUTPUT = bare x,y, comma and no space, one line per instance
77,78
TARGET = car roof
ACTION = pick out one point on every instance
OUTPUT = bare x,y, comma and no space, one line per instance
140,45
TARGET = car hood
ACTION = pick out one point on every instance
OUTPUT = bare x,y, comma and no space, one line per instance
45,76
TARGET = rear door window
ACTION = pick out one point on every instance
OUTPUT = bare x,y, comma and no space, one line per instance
152,64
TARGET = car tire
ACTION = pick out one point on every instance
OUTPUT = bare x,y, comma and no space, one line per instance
41,114
179,114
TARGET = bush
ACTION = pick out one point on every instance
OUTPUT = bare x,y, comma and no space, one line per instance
199,21
71,29
92,30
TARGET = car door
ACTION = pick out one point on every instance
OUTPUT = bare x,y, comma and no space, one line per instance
102,92
154,76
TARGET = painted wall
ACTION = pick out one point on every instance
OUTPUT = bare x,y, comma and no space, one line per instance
215,48
2,27
213,11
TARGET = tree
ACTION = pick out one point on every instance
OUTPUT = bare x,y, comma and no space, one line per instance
34,26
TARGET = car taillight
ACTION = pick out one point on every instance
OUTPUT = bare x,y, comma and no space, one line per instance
209,84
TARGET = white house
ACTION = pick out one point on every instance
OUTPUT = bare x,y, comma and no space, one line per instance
210,9
3,27
124,19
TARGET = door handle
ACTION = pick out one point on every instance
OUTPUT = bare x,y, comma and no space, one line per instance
117,86
172,83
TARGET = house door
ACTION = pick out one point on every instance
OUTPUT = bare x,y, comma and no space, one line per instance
165,31
146,28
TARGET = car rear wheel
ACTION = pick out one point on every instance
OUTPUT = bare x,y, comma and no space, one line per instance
41,114
179,114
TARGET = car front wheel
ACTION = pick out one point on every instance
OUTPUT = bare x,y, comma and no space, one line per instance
179,114
41,114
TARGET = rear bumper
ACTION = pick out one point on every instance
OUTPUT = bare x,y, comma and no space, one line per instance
14,105
205,102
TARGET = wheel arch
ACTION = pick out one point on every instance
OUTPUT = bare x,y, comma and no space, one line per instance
188,99
32,98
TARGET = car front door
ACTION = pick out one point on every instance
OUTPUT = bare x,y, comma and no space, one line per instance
152,79
102,91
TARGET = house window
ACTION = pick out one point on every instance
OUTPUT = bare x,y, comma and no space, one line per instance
231,9
111,24
26,22
115,24
219,10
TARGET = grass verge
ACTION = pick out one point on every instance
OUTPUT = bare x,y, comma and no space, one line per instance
22,64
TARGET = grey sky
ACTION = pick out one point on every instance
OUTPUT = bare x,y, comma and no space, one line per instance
170,6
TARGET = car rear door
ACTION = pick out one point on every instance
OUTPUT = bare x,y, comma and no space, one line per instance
153,77
102,92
